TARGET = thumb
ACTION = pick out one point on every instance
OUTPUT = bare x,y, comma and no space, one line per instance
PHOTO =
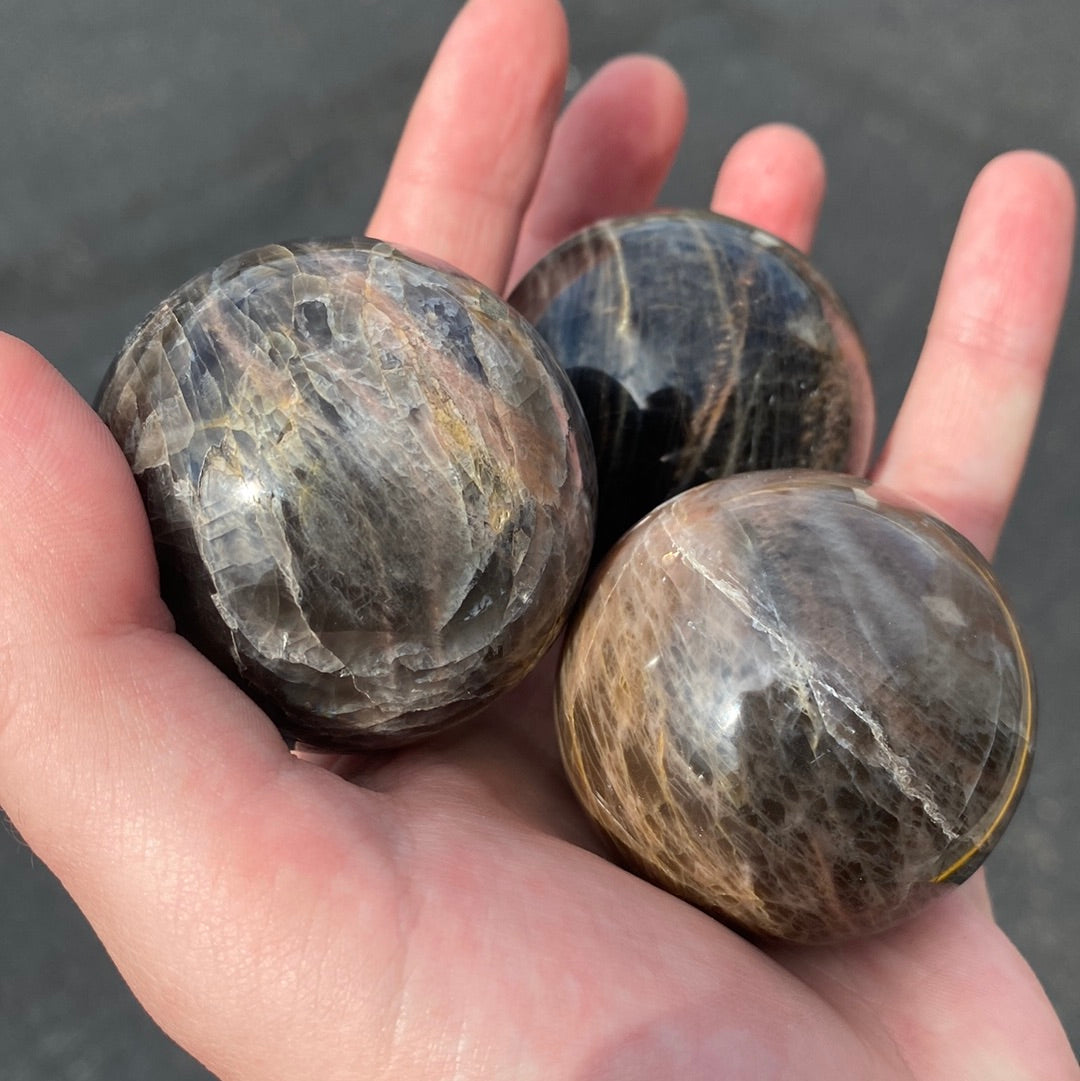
70,507
149,784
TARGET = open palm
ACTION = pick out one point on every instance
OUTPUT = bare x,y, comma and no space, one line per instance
446,912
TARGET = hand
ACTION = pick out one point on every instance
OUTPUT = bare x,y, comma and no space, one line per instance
444,913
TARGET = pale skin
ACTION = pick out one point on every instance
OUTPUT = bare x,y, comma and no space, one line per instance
446,912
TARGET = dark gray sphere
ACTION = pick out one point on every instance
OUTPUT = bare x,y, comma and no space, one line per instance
699,347
370,486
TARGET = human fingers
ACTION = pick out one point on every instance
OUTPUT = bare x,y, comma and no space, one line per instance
475,140
612,150
610,153
774,178
960,440
162,798
59,462
86,644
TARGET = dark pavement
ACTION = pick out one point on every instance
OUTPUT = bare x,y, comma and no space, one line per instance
144,141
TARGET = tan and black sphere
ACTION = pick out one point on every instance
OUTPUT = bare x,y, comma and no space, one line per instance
798,703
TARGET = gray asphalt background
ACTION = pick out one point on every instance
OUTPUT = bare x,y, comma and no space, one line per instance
144,140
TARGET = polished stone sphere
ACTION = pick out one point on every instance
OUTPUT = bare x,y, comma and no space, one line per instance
699,347
370,485
797,702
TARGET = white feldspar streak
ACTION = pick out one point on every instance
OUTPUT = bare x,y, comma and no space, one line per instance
799,664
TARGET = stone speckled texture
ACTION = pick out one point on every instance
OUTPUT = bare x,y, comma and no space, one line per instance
369,484
699,347
798,703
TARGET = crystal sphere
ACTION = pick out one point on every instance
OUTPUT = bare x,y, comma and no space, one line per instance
699,347
797,702
369,484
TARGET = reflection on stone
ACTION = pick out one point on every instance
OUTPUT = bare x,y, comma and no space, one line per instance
700,347
369,484
798,703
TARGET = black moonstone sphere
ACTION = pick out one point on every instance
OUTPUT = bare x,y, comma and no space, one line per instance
699,347
798,702
370,485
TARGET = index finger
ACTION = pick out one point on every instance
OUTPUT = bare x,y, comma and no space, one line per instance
475,140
